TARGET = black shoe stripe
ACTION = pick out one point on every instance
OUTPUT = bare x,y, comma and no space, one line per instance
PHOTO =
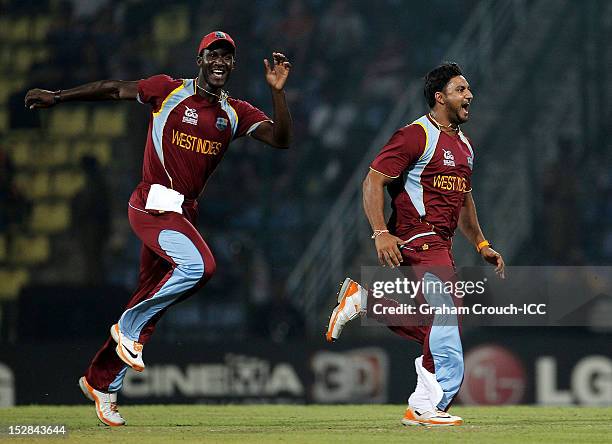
130,353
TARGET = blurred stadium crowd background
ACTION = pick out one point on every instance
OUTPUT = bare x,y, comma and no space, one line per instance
66,174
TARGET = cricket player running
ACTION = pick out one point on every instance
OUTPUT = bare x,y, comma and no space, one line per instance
426,167
192,123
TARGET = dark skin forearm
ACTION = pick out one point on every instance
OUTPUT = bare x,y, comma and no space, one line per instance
470,227
94,91
374,200
281,130
373,204
102,90
278,133
468,221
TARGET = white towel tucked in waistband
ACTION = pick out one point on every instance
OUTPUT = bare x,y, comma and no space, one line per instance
164,199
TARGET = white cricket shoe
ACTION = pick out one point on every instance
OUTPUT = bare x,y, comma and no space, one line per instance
128,351
430,419
351,299
106,404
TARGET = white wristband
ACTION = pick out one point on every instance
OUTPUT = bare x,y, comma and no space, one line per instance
378,233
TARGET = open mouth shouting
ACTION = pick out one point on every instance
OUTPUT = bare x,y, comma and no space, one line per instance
217,76
465,110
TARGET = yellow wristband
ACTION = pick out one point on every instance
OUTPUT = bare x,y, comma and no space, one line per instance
481,245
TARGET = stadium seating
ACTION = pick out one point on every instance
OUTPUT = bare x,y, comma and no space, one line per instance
338,104
13,280
171,26
30,250
46,167
55,45
50,217
3,248
108,122
3,120
69,121
100,149
66,183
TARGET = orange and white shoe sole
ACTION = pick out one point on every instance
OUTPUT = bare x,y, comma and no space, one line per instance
348,288
90,394
119,349
410,419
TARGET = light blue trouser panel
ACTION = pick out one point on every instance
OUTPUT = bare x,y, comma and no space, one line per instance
117,383
445,345
187,273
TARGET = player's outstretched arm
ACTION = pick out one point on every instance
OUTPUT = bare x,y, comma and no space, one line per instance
470,227
373,204
100,90
277,134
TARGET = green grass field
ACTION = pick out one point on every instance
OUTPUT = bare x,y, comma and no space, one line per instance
314,424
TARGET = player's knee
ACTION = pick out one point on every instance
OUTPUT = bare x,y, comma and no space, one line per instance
210,266
192,271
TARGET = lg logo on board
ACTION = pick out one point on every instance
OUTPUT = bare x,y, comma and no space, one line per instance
493,376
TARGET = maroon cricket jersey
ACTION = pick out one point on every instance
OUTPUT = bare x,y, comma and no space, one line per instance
433,171
188,136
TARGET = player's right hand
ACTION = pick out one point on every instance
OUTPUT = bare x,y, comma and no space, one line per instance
39,98
387,250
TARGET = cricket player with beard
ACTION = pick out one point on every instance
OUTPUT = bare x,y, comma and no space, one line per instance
426,167
192,124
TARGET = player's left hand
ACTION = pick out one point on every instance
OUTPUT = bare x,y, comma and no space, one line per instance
494,258
278,71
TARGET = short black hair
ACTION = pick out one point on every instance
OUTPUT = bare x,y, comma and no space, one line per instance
437,78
